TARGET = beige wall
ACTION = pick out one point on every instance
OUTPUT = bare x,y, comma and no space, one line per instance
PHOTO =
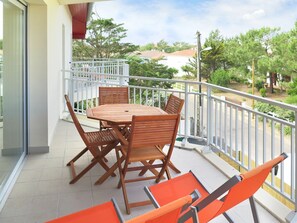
46,22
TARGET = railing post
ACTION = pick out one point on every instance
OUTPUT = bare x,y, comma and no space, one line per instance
186,113
209,111
121,80
292,216
198,124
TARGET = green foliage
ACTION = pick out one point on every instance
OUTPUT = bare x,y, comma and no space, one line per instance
237,75
259,84
213,59
264,107
284,114
279,112
151,68
84,104
221,78
104,40
263,92
162,45
190,72
291,100
292,90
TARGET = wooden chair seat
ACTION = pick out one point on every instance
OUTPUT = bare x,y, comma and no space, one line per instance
144,153
101,137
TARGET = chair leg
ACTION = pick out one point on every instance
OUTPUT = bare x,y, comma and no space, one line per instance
254,210
78,176
78,156
110,172
171,165
145,169
228,217
122,181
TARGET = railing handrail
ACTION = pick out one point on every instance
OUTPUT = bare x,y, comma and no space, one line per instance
247,95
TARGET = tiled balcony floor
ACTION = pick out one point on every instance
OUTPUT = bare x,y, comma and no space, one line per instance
42,191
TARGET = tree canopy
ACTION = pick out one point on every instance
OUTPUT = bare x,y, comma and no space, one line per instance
104,40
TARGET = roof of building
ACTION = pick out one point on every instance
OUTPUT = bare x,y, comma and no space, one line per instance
152,54
185,53
80,14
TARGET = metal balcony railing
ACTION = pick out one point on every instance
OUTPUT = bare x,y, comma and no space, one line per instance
245,136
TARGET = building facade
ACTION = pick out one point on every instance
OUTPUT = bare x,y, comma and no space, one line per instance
36,44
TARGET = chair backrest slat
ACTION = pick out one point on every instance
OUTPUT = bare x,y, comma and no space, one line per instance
153,130
75,120
174,105
113,95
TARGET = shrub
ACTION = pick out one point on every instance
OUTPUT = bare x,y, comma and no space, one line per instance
291,100
292,90
220,77
284,114
264,107
263,92
259,85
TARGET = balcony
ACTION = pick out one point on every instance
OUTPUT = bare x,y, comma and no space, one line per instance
42,190
212,127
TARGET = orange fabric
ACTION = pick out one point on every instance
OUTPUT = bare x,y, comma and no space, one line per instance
185,184
177,187
99,214
251,182
168,213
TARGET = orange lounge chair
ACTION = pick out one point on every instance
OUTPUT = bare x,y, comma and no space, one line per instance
210,205
109,213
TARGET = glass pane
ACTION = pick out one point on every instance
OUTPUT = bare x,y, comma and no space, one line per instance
11,88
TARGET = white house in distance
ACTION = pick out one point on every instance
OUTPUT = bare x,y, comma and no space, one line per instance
37,44
176,59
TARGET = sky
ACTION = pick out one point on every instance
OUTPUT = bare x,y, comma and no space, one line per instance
150,21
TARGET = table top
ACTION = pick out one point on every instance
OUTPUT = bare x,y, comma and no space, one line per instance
121,113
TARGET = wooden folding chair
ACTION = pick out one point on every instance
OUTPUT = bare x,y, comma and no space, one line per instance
174,105
210,205
108,212
147,133
99,143
112,95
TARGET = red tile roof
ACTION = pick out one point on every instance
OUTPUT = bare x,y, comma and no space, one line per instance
185,53
153,54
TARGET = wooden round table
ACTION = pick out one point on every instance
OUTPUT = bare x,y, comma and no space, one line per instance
121,113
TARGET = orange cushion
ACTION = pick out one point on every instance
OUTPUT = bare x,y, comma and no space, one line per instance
101,213
177,187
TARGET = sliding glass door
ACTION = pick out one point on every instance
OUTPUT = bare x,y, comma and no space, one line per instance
12,90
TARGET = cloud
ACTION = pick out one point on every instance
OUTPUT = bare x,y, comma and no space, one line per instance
254,15
177,20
